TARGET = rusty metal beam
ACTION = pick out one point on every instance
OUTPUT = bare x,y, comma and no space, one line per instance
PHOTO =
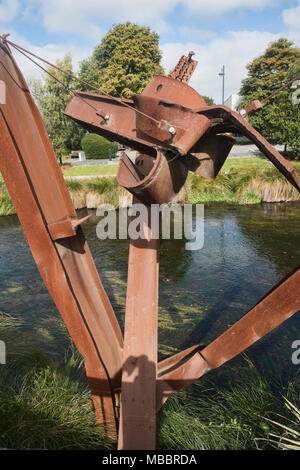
42,202
184,368
138,405
193,138
235,122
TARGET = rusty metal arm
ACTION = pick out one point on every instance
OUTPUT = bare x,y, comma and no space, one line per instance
235,122
278,305
45,210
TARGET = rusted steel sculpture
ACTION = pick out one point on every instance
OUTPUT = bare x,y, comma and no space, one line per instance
36,185
174,131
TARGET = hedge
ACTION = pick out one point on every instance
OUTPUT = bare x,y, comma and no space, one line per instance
95,146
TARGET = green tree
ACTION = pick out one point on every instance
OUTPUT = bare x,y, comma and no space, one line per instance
209,101
124,62
52,98
278,121
284,116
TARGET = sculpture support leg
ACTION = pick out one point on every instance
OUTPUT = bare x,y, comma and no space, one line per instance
138,393
184,368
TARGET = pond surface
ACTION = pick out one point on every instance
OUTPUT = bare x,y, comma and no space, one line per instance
247,249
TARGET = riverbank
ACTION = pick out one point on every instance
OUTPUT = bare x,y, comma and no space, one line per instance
241,181
47,405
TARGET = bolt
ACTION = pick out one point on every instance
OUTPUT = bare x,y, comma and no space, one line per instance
106,117
172,130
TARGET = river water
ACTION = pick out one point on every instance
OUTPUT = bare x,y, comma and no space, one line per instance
247,249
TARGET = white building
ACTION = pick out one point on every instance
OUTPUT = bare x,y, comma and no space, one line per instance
233,101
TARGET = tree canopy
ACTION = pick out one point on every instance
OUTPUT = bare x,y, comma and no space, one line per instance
124,62
279,120
52,98
209,100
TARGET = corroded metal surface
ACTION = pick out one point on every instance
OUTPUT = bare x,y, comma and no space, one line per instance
172,125
277,306
233,122
174,131
184,68
152,180
188,141
207,157
202,147
138,404
40,196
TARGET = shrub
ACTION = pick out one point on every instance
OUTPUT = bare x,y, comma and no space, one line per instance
96,146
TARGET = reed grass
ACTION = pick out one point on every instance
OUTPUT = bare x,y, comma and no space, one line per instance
234,414
241,181
287,435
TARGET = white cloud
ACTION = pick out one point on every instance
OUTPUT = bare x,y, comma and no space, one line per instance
195,34
291,17
8,10
84,17
50,52
235,50
217,7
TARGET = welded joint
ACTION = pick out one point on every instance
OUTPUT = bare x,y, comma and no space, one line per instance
65,228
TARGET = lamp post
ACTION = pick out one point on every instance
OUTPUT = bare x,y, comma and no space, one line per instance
222,74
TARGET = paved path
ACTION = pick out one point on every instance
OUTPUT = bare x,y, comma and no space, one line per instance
76,162
248,150
238,151
104,161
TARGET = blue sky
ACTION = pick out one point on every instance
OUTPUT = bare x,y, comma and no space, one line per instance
230,32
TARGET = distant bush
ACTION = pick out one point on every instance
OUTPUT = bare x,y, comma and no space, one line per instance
96,146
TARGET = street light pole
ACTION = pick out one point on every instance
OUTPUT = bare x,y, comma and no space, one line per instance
222,74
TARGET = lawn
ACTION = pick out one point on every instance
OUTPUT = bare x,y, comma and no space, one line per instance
94,170
231,163
241,181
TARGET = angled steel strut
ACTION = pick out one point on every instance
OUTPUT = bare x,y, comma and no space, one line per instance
38,191
174,131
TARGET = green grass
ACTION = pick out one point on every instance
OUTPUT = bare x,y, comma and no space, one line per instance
6,205
241,181
246,162
47,408
233,415
45,404
93,170
92,192
287,436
